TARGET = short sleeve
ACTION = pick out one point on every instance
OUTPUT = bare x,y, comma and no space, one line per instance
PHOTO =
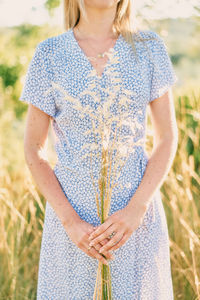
37,88
163,75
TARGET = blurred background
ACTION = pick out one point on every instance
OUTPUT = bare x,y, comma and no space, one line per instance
23,24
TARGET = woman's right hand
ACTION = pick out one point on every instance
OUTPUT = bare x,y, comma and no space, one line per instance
79,232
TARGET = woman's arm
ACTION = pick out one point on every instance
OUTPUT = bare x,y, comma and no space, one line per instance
36,133
164,149
127,220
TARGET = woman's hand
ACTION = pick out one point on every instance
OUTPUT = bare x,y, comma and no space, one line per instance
79,232
122,223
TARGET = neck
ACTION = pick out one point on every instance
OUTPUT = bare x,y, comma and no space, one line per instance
99,23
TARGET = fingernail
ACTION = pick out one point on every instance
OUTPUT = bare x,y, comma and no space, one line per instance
90,237
100,251
91,244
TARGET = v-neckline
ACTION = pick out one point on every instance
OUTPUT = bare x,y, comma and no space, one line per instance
87,59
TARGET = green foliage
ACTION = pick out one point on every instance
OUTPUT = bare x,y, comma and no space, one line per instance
176,58
9,74
24,33
51,4
20,43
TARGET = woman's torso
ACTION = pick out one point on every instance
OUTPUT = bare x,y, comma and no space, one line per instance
71,68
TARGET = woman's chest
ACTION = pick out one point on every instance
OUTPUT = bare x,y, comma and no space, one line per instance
72,71
80,95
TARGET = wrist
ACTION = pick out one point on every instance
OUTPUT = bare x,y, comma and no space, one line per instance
136,205
69,221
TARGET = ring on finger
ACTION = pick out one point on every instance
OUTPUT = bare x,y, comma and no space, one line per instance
113,244
111,235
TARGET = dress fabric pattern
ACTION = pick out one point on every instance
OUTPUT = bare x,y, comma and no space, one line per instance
141,269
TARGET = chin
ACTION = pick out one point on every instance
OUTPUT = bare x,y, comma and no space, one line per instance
101,4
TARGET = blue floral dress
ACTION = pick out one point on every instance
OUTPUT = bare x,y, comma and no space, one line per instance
141,268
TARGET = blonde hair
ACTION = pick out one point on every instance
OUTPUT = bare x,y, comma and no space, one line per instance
123,22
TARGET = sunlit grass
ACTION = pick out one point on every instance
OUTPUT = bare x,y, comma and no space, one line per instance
181,198
21,218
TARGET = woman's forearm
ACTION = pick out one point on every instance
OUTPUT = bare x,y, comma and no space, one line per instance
50,188
155,173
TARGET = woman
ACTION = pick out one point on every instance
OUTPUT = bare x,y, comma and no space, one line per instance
134,238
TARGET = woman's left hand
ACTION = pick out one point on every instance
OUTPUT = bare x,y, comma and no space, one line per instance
123,223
